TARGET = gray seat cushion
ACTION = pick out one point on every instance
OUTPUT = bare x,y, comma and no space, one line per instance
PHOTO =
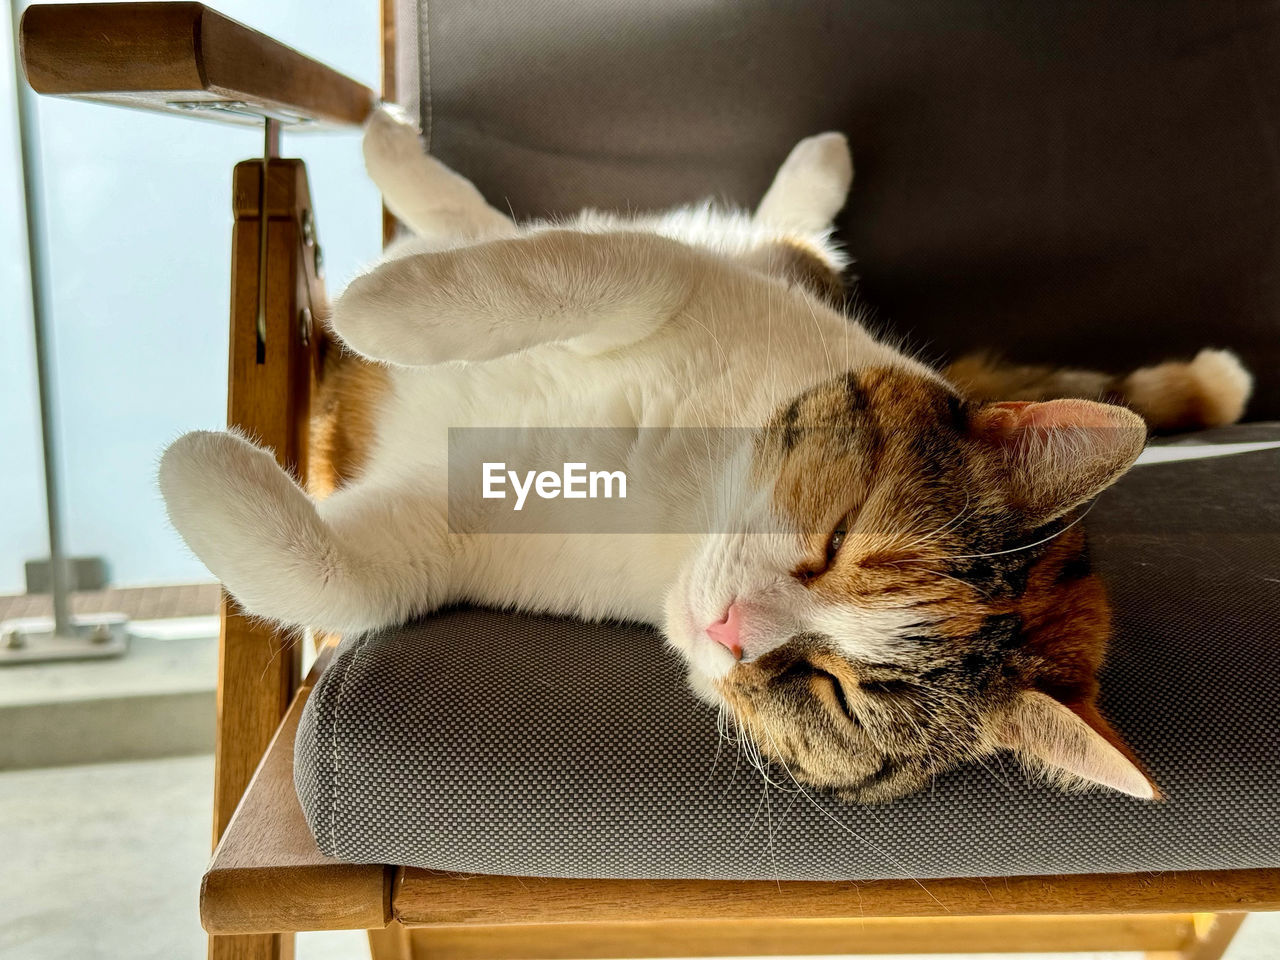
486,742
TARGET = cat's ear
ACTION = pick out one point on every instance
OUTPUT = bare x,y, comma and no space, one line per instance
1075,742
1054,455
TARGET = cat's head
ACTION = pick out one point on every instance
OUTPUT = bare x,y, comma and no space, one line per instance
907,588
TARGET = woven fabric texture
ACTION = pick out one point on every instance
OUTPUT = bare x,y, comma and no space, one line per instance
485,742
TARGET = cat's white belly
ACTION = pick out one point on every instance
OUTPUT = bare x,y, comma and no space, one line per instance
549,413
579,409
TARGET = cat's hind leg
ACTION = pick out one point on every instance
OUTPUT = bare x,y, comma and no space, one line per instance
264,538
434,202
811,186
1211,390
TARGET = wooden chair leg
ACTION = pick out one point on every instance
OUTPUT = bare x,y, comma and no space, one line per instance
264,946
1214,933
390,943
275,292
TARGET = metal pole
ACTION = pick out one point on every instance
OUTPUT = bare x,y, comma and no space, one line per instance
38,268
270,150
271,139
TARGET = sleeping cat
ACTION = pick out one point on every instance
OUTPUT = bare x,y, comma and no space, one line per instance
894,581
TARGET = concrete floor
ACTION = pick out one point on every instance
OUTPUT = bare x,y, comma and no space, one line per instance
104,861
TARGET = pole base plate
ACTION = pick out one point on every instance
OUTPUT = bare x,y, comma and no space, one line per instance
33,639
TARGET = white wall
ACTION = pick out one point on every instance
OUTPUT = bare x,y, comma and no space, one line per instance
139,225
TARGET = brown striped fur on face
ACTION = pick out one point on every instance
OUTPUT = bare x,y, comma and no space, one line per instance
940,526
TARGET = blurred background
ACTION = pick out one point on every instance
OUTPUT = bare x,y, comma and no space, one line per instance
139,221
105,766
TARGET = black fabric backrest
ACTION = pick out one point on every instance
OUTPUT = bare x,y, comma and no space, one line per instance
1067,182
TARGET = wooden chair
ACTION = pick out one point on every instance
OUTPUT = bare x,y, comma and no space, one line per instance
267,879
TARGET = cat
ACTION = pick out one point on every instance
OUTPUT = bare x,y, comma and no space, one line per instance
895,581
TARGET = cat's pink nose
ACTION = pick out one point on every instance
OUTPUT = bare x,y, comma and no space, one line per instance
726,630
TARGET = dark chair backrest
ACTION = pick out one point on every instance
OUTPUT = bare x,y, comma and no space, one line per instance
1068,182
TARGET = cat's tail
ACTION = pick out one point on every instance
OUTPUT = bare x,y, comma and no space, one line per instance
1209,391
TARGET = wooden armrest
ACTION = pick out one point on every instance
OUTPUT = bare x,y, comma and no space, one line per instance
183,58
267,874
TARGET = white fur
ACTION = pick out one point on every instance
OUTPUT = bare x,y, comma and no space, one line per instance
665,322
422,192
810,186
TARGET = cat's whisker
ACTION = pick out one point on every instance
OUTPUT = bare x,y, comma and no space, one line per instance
831,367
939,573
875,848
758,760
901,711
1001,553
768,825
940,531
720,741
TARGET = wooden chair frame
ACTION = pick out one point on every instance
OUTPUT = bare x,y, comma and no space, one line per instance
267,879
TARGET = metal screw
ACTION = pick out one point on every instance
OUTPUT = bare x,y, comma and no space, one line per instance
308,228
319,261
12,639
304,326
101,634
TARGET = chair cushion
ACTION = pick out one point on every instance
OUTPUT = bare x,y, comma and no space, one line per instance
1096,182
487,742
